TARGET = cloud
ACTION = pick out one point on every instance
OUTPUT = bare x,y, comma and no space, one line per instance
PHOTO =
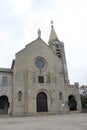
45,5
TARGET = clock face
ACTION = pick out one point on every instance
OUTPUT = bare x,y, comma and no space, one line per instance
39,63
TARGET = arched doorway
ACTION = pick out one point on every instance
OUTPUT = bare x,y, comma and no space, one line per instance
41,102
72,103
4,105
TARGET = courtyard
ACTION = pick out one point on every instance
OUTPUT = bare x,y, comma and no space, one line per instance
45,122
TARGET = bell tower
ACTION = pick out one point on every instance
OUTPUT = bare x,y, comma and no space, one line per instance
58,49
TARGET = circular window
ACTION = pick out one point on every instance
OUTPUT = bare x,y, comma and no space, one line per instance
39,63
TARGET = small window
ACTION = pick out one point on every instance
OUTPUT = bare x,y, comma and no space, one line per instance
19,96
4,80
40,79
60,95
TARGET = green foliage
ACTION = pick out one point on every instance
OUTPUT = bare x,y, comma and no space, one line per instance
84,101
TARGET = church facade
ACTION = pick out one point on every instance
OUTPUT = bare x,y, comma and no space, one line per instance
38,81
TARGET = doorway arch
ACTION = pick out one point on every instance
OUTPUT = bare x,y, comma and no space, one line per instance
41,102
4,104
72,103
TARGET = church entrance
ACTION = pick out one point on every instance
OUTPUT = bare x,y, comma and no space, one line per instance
41,102
72,103
4,105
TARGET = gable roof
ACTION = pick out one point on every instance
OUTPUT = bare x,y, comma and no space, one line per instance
36,41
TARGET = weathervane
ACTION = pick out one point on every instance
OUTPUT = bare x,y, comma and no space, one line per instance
52,23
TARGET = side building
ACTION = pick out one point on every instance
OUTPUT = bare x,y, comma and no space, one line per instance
38,81
6,79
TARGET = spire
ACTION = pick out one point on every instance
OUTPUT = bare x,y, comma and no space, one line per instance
53,35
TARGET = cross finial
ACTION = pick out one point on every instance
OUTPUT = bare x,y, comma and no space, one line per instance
39,33
52,23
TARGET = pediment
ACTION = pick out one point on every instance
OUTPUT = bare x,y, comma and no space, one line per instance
36,46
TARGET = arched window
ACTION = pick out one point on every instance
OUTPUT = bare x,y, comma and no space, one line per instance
19,95
60,95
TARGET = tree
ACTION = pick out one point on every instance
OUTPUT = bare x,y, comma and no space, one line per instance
84,101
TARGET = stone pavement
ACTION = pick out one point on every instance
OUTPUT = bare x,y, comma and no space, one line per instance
48,122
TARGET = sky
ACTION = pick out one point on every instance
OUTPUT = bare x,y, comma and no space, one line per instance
20,20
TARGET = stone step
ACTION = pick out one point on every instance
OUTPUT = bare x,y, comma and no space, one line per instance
73,112
4,115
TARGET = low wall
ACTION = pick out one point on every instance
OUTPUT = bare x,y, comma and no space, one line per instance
84,110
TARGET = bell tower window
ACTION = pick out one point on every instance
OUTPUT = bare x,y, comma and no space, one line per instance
58,51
